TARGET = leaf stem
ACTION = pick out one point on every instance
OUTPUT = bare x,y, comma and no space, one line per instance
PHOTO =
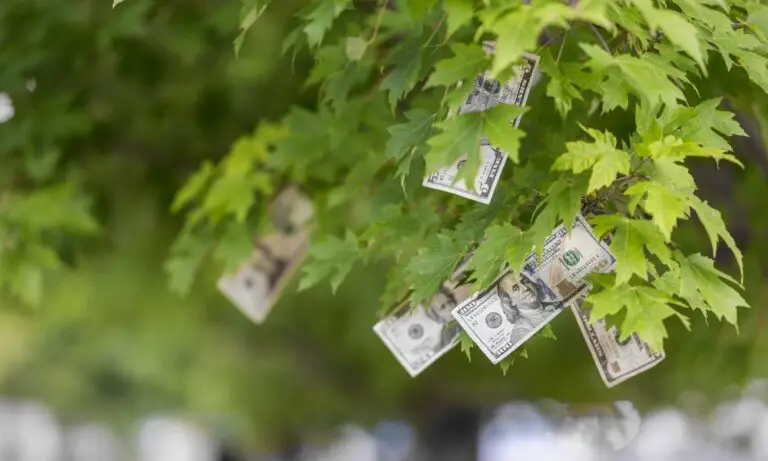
379,16
562,45
600,37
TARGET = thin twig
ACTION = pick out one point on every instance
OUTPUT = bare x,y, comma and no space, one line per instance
434,31
382,8
562,45
600,37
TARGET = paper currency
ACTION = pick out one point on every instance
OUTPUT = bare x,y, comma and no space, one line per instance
616,361
418,337
505,315
487,93
256,285
566,259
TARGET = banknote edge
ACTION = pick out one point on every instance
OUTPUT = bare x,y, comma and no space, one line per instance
378,329
601,372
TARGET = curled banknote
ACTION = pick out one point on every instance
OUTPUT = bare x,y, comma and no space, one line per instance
616,360
487,93
258,282
418,337
502,317
566,259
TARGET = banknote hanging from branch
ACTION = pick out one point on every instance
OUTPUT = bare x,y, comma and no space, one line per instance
508,159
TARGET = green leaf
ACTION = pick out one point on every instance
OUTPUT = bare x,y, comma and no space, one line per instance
629,243
715,226
406,65
466,344
417,8
250,12
665,206
648,80
517,32
501,132
699,279
503,244
459,136
234,247
704,124
563,203
428,270
404,137
320,18
187,255
600,155
565,79
193,187
645,310
467,62
458,13
756,67
680,32
331,258
355,48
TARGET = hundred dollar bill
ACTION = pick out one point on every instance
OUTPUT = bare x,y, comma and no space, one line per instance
418,337
257,284
566,259
505,315
616,361
487,94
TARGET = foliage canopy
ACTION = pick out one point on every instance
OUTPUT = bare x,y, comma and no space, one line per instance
608,132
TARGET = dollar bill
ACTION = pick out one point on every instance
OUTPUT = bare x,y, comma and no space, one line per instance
487,93
502,317
258,282
616,361
566,259
418,337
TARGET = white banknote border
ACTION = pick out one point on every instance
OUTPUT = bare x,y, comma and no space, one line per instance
379,329
476,339
583,323
468,194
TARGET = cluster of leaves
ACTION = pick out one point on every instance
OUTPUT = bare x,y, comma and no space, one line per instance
608,133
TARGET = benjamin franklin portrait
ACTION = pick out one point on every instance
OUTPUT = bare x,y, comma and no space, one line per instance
524,304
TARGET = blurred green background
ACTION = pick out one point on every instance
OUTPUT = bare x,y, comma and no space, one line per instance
130,102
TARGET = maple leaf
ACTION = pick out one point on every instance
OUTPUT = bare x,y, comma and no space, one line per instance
645,308
404,137
331,258
563,202
405,65
498,128
600,155
700,280
459,136
647,79
632,238
466,344
458,13
428,270
467,62
320,17
704,124
503,244
715,226
517,32
665,205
